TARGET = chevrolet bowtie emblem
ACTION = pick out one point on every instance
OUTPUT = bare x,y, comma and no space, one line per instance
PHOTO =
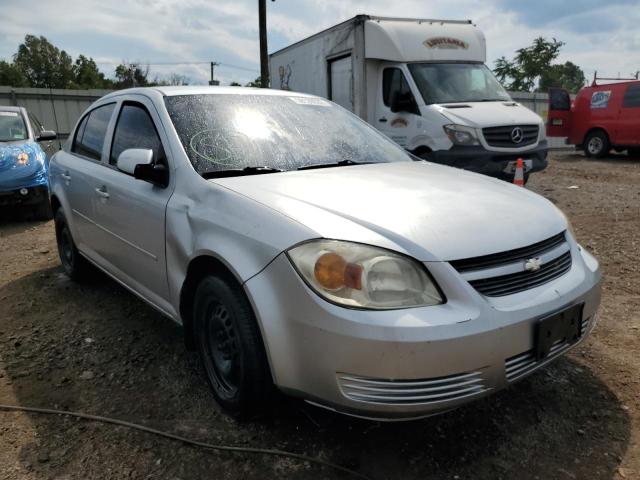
533,264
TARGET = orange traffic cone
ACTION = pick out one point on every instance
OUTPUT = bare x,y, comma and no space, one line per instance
518,176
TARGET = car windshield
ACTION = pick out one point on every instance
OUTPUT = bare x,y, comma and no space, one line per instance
12,127
231,131
457,82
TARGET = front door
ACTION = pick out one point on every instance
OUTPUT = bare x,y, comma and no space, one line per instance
131,212
396,108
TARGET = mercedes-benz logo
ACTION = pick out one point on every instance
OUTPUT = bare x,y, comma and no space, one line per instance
516,135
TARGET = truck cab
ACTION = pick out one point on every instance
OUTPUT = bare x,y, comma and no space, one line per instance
423,83
602,117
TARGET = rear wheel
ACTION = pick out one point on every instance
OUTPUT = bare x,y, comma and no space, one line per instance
74,264
231,349
597,144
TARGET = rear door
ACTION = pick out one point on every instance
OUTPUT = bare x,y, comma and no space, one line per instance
341,82
629,121
559,116
77,171
131,212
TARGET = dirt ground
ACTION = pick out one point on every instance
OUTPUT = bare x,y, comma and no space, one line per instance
95,348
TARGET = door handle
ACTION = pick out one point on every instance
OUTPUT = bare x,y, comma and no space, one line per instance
102,191
383,120
66,176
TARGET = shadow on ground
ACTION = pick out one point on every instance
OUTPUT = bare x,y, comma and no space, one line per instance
96,348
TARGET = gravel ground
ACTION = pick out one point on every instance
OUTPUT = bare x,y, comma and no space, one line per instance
97,349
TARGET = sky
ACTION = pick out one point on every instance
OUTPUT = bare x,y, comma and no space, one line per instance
599,35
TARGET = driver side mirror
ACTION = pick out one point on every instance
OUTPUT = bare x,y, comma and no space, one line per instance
139,163
46,135
403,103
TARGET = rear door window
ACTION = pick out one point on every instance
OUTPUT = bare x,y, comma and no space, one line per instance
631,97
135,129
91,132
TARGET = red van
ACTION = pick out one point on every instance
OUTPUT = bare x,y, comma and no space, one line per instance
601,118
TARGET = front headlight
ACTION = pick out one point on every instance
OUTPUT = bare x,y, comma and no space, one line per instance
22,158
461,135
543,132
361,276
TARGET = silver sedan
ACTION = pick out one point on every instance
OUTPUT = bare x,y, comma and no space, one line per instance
305,252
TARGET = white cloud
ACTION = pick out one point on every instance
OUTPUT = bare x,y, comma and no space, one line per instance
226,31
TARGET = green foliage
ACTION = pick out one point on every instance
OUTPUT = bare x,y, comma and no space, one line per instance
11,76
43,64
132,75
255,83
87,75
234,84
568,76
532,67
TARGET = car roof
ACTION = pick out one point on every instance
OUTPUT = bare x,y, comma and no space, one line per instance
206,90
6,108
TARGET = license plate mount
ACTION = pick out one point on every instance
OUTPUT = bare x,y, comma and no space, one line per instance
563,326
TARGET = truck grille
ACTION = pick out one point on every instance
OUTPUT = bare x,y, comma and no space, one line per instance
503,137
506,273
412,392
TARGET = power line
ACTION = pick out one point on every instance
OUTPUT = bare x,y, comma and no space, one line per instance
157,64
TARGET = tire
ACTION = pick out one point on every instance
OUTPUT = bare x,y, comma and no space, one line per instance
597,144
74,264
43,210
231,349
634,152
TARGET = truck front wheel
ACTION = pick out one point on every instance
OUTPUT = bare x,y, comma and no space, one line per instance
597,144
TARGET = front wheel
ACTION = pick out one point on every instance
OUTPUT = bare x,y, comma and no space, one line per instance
597,144
230,348
74,264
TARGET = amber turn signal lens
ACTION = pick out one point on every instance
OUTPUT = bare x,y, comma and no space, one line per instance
333,272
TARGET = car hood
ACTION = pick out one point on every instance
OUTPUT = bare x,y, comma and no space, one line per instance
428,211
489,114
13,175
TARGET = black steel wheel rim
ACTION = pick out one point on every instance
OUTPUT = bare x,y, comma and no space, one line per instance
222,356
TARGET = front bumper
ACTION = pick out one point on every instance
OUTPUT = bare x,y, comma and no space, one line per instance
34,195
439,357
492,163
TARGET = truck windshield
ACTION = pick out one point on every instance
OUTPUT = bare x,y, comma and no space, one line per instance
237,131
456,82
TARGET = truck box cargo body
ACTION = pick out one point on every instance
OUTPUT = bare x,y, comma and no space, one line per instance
421,82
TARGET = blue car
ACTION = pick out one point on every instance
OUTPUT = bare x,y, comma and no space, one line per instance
23,162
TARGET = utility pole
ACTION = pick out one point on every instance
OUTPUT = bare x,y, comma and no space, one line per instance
264,56
212,81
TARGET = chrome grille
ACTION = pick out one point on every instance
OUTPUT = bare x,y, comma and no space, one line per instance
524,363
502,136
505,273
518,282
412,392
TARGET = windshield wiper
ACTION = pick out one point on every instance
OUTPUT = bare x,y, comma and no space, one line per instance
341,163
239,172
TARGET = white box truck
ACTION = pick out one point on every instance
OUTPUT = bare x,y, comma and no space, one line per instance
424,84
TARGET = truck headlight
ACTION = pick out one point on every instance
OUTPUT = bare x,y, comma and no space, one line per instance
362,276
461,135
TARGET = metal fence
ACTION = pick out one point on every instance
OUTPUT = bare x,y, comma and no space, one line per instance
60,109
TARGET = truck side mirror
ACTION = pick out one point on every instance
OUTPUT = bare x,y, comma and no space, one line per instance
403,103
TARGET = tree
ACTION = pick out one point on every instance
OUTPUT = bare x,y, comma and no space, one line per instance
568,76
528,66
43,64
255,83
131,75
87,75
234,84
11,76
